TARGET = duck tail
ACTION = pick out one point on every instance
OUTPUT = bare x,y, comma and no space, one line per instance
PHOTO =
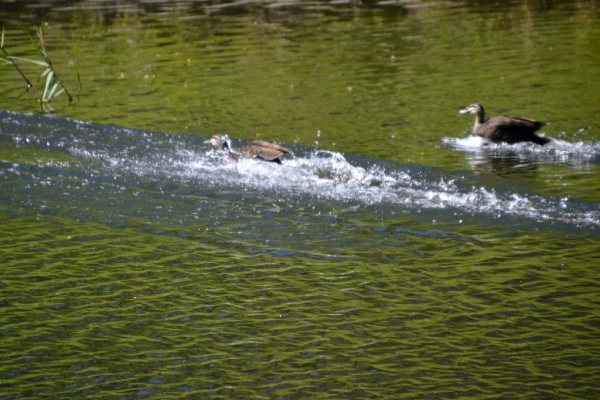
542,140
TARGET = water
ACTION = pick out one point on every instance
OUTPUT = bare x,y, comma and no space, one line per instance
392,255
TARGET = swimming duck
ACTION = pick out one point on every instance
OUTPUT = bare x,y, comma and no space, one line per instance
256,149
505,129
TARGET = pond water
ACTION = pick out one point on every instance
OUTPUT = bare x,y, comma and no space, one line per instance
392,255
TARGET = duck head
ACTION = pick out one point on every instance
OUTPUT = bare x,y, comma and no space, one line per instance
220,142
475,109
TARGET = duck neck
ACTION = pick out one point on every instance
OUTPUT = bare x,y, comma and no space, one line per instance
225,146
479,117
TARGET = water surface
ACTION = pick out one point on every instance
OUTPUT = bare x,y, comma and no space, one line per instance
391,256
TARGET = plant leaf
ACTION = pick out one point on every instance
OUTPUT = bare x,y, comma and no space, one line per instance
2,44
49,78
38,62
46,72
51,95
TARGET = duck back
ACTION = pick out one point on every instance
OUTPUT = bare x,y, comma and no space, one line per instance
266,151
511,130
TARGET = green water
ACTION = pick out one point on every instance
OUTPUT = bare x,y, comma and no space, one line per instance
110,293
93,311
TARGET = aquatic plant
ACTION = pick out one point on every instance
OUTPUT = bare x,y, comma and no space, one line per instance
52,81
11,61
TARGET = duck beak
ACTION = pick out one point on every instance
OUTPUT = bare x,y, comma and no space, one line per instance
464,111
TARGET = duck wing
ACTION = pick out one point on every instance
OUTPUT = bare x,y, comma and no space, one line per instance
264,150
510,129
526,123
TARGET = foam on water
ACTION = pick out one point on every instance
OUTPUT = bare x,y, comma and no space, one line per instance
132,160
479,150
329,176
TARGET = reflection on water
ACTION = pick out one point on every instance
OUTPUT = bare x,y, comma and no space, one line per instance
392,256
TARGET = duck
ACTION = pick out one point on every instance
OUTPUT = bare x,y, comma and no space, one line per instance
505,129
259,149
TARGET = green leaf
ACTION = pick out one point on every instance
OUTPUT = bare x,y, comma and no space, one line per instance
49,78
46,72
51,95
59,92
38,62
2,44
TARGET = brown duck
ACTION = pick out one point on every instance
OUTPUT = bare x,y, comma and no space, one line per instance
505,129
265,151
